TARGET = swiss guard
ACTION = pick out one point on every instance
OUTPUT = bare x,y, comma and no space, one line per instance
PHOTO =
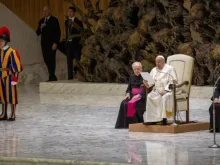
10,67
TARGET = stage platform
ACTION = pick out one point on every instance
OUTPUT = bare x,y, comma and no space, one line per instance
180,128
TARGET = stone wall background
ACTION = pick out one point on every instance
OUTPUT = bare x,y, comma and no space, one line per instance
139,30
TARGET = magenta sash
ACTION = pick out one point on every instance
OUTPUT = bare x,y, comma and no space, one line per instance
131,110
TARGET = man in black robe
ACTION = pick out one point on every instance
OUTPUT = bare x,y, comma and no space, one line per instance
135,93
217,109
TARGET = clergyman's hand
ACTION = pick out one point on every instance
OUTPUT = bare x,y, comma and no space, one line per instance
216,101
135,97
127,97
146,83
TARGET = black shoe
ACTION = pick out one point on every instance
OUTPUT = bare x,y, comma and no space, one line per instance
164,121
52,77
150,123
70,78
51,80
11,119
211,130
4,118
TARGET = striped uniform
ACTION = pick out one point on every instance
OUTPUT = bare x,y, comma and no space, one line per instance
11,61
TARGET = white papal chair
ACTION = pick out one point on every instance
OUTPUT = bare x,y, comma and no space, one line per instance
183,65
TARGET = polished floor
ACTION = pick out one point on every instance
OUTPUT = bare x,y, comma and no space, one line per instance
48,128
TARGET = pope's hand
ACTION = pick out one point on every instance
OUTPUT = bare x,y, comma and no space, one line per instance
163,92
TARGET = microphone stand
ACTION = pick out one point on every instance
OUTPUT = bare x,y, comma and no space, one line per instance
215,145
174,104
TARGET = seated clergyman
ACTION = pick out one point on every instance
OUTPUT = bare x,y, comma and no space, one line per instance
134,103
159,100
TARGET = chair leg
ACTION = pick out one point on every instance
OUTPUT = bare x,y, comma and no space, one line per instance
187,112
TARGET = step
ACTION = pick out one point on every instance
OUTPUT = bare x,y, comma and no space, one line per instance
35,161
107,89
82,88
181,128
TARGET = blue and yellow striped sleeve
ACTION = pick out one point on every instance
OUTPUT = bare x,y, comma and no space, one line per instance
16,62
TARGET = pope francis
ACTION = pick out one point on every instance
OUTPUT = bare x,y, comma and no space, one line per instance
159,101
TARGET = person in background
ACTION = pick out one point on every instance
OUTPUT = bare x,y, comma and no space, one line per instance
74,29
134,104
49,29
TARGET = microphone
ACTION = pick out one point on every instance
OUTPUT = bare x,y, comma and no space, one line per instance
215,145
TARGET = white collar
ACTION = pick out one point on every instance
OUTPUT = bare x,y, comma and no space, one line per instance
48,17
5,47
166,68
73,18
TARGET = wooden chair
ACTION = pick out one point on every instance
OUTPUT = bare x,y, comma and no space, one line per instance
183,65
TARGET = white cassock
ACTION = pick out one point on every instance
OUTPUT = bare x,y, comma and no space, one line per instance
159,107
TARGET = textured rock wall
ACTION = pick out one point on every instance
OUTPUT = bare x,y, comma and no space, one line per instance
24,39
133,30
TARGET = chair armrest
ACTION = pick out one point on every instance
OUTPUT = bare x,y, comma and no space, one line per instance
146,86
179,85
150,89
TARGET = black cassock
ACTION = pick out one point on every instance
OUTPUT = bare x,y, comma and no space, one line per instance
217,109
123,121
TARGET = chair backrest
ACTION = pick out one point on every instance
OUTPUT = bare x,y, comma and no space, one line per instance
183,65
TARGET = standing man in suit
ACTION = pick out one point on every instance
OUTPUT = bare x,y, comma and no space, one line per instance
74,29
49,29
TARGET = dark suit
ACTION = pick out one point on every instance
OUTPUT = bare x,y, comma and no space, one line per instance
217,109
73,43
50,34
